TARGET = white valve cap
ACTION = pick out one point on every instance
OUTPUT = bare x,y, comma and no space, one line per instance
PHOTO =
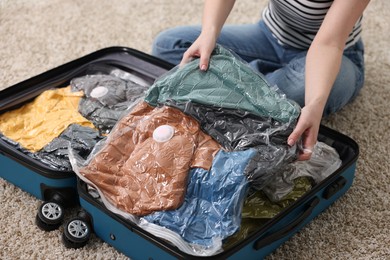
99,92
163,133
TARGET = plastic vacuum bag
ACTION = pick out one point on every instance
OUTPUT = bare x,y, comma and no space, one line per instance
107,98
211,211
228,83
236,129
323,162
143,166
56,153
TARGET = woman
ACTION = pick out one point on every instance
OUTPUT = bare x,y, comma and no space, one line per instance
311,49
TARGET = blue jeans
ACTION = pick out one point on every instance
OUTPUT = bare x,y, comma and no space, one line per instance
282,65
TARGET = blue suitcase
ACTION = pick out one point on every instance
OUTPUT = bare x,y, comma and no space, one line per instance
57,188
137,243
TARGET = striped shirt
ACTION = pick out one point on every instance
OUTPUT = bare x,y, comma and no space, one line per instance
296,22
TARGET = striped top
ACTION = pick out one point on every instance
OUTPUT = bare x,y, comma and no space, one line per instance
296,22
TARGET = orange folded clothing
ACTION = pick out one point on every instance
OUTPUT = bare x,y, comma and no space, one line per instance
143,166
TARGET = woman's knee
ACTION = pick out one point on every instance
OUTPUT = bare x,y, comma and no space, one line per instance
167,40
290,79
172,43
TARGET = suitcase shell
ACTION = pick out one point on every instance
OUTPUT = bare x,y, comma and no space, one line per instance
137,243
46,183
34,177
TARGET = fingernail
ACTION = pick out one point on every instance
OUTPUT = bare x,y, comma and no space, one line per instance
290,142
306,150
203,67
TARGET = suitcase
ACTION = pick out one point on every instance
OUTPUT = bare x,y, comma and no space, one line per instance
65,189
137,243
57,188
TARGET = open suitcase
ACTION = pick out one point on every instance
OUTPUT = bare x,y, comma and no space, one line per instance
57,187
65,189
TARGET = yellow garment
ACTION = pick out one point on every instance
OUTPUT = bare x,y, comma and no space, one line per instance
37,123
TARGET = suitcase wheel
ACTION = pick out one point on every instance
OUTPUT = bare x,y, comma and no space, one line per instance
76,233
50,216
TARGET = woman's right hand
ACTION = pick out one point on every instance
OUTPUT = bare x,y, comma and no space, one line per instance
215,13
201,48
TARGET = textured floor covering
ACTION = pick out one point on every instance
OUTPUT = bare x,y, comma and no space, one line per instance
39,35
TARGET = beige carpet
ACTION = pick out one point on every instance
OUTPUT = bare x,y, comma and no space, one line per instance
41,34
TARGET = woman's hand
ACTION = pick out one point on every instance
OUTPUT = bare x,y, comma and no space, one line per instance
201,48
215,13
308,126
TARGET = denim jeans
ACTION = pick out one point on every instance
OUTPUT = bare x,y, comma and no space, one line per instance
282,65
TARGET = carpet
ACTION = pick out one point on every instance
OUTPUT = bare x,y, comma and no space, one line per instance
39,35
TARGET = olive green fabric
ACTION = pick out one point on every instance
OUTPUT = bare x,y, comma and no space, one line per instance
247,228
258,210
228,83
257,205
